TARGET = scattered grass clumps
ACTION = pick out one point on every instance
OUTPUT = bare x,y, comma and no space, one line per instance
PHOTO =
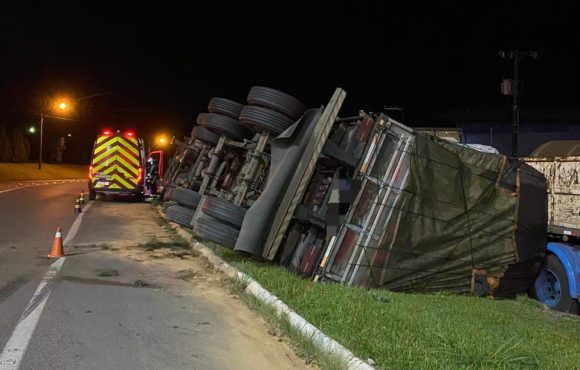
157,244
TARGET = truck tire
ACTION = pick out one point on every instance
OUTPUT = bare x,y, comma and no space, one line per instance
216,231
168,204
203,134
185,197
552,287
265,119
276,100
180,215
223,125
224,211
226,107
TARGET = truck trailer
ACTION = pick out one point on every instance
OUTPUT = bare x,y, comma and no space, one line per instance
366,200
558,284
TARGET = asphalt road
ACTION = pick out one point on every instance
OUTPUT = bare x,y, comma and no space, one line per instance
145,315
28,221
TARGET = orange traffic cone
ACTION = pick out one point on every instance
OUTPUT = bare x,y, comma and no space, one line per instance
57,250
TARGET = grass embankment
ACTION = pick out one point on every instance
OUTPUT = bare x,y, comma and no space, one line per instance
428,331
30,171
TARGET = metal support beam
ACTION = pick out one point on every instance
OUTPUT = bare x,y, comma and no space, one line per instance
299,182
211,169
249,176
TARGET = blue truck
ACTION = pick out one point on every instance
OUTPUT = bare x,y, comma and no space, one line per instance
558,284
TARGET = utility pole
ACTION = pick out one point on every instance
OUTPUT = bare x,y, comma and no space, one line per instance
40,149
512,87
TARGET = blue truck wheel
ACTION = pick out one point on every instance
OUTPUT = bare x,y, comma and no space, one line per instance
551,287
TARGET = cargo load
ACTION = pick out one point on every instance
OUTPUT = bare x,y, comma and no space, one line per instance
559,162
432,215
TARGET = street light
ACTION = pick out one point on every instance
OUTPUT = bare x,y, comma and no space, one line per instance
59,106
62,106
161,140
32,129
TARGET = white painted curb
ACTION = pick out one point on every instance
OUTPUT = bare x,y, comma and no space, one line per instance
321,340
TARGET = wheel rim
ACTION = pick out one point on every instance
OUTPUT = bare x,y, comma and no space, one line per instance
548,288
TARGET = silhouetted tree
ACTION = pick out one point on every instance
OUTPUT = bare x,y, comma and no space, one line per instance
19,147
5,145
26,149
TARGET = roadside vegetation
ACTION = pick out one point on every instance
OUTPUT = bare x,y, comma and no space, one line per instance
29,171
281,327
14,145
427,331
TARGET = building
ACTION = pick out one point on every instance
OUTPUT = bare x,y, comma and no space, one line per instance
537,125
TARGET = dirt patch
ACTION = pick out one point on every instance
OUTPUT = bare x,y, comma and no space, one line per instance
147,253
186,275
106,272
189,275
118,224
80,280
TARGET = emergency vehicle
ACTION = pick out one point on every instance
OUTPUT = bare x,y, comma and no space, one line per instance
119,165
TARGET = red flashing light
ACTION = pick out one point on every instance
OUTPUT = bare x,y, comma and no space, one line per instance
129,133
107,132
91,172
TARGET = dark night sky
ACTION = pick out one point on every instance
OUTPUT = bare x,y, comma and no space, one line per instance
163,62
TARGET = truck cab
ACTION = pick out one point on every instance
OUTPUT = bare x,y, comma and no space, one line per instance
558,284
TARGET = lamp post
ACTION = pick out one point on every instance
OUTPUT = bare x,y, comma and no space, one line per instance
62,106
40,140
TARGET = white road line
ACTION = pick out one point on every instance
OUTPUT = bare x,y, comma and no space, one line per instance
55,182
76,224
13,353
14,350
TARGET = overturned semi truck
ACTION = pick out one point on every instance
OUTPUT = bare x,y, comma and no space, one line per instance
365,200
418,213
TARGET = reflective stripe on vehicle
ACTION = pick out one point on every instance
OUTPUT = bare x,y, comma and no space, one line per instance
130,144
116,163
